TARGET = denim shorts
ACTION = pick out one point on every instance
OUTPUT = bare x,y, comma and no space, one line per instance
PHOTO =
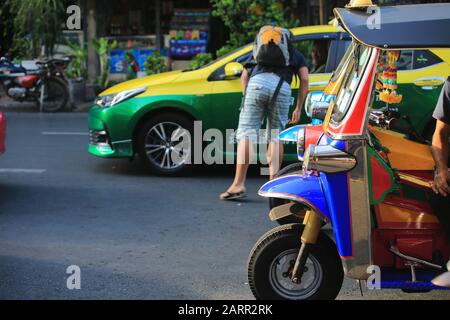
256,106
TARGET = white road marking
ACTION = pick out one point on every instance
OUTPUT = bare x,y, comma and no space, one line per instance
63,133
13,170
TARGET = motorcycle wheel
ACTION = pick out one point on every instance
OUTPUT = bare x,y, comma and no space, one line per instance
273,257
56,95
276,202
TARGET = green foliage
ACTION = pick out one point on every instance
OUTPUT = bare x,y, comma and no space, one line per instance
21,50
224,50
103,48
38,20
155,64
77,68
200,60
244,18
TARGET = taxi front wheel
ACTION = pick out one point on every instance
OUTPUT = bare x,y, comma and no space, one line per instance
164,144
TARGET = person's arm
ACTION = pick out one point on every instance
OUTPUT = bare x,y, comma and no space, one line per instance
440,151
302,93
244,80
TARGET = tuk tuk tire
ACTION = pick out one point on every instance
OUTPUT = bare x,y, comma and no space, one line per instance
281,239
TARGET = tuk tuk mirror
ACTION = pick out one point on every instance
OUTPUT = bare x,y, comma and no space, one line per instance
316,105
319,110
311,99
233,70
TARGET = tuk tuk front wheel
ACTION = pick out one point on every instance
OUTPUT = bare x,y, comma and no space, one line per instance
272,259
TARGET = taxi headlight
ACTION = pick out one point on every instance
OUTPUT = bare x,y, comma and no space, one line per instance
116,98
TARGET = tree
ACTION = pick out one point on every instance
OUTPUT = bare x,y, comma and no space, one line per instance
155,64
103,48
244,18
38,21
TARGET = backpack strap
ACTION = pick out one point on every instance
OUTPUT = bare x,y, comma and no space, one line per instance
276,92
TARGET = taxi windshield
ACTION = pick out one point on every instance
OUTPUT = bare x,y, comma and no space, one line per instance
358,56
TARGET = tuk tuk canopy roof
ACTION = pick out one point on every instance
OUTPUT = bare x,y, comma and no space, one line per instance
399,27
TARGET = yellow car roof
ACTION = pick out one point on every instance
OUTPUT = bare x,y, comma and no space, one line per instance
316,29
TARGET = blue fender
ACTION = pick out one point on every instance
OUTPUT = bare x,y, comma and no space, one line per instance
327,195
303,188
290,134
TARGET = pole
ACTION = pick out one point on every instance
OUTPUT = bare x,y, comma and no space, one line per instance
321,13
158,24
91,35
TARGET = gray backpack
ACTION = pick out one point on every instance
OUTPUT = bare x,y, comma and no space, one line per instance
272,47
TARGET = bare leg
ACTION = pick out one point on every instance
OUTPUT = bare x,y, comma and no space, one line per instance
275,154
244,157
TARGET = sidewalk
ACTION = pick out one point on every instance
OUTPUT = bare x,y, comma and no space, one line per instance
9,105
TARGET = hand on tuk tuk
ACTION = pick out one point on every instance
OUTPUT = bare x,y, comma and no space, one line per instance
440,184
295,116
303,92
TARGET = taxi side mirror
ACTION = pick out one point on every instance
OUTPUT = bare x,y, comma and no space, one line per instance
233,70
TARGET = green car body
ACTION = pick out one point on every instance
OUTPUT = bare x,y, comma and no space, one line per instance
205,95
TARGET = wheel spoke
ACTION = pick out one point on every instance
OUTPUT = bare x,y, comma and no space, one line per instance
153,146
166,159
177,134
155,149
161,131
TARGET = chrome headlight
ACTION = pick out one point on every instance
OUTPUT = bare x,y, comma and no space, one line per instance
301,143
328,159
308,103
116,98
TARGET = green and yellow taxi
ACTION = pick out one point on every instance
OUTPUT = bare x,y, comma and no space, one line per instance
140,116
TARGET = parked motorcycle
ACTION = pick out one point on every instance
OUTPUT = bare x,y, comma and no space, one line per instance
370,184
47,86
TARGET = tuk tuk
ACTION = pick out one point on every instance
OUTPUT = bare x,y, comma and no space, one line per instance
368,183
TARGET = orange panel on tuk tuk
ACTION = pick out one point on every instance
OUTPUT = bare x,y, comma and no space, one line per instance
390,216
404,154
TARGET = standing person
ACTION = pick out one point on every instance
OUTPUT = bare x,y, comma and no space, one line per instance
266,82
440,200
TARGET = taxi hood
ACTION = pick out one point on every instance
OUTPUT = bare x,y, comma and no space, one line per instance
149,81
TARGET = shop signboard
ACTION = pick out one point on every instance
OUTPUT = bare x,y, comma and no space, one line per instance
189,33
118,61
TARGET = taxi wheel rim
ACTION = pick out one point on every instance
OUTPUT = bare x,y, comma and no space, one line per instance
161,145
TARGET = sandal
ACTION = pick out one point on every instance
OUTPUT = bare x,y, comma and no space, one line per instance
232,195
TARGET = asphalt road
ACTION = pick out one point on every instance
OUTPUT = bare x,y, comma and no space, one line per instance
132,234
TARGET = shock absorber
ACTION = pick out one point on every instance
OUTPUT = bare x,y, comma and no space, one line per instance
312,223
